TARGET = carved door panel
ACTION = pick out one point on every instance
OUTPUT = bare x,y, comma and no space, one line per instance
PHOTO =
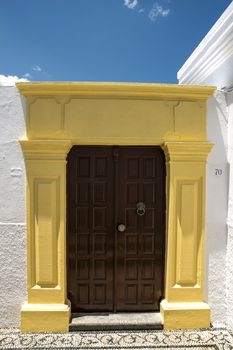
140,247
90,229
110,270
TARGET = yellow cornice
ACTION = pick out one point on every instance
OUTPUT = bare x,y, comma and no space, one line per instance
187,151
116,90
45,149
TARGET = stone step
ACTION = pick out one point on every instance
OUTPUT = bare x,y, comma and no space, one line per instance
116,321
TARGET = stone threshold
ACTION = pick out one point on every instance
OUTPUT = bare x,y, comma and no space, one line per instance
116,321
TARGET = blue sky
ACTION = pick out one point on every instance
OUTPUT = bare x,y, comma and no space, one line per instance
102,40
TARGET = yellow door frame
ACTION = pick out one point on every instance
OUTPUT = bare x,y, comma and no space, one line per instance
59,115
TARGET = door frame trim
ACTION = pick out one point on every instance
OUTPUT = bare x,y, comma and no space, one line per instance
175,119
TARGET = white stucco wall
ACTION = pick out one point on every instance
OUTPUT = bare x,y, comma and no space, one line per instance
229,275
12,208
216,207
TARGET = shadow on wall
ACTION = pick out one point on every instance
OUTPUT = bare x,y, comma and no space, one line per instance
24,109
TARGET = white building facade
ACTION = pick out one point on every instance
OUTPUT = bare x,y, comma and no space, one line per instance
12,207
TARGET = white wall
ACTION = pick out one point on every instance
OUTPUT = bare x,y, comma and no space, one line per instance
12,208
229,275
216,207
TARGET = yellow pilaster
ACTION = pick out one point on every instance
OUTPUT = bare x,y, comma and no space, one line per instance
47,308
184,305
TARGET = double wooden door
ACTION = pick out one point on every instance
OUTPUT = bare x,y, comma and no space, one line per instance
115,228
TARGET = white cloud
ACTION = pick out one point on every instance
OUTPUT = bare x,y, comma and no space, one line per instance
27,75
37,68
10,80
141,11
131,4
158,11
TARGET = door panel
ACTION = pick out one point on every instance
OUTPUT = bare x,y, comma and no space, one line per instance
139,258
90,228
110,270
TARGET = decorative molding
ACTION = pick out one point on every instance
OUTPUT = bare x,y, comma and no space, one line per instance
64,101
186,151
187,232
45,197
51,115
116,90
215,49
42,150
174,106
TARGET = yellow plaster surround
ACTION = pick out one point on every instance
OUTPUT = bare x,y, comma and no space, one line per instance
60,115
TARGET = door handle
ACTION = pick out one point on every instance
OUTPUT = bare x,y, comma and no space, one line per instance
121,228
141,208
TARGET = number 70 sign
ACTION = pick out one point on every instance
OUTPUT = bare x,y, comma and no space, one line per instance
218,172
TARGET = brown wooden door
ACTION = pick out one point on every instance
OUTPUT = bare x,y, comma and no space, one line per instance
109,270
140,248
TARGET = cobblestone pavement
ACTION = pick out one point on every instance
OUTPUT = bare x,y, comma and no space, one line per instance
210,339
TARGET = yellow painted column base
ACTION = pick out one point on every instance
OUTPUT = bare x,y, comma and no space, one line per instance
185,315
45,318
